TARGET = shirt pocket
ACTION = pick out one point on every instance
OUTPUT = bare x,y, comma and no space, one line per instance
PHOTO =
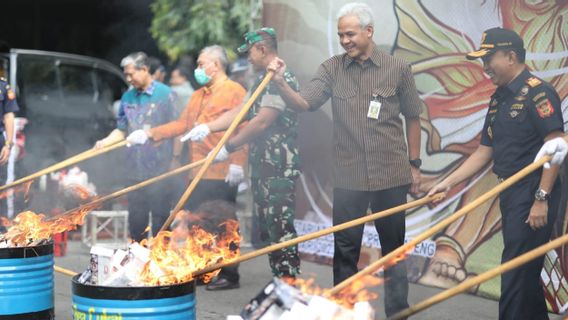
344,92
388,98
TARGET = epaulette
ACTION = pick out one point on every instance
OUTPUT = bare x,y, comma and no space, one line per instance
533,82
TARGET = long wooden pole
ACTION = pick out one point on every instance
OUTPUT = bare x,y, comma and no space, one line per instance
65,163
465,285
65,271
321,233
126,190
440,226
216,150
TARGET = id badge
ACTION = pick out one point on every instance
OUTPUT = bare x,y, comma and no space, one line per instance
374,109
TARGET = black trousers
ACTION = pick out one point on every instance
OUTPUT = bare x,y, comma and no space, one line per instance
522,294
349,205
215,190
153,198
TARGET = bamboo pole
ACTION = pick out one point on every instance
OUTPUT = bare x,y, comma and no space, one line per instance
126,190
216,150
488,275
310,236
446,222
64,271
65,163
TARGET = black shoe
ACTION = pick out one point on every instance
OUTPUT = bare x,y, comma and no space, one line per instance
222,284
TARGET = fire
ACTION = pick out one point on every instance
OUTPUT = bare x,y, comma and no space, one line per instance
5,222
347,298
175,261
29,227
79,192
22,188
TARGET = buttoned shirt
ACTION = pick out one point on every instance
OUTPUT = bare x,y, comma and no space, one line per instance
143,109
205,105
520,115
370,151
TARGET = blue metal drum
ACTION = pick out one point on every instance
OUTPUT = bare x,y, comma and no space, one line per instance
26,283
173,302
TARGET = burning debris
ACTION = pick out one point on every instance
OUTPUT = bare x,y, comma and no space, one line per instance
163,260
29,228
300,299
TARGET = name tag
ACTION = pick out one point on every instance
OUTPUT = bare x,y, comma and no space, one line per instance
374,109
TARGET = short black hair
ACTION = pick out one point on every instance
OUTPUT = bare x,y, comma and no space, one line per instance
154,64
184,71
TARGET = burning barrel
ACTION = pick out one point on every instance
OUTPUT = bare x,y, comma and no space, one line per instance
168,302
26,282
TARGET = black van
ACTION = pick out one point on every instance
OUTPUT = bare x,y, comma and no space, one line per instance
69,102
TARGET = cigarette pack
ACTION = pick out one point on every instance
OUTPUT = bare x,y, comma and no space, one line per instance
100,264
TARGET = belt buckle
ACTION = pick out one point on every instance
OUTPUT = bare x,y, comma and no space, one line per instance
500,179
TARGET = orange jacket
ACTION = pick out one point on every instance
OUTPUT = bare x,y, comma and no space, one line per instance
207,104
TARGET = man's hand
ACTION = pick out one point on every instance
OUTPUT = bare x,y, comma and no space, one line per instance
137,137
100,144
222,155
278,66
557,148
198,133
5,154
538,216
235,175
416,178
443,187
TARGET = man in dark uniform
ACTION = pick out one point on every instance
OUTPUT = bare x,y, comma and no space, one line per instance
524,112
8,106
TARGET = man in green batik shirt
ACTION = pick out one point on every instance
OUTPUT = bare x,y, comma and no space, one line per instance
273,156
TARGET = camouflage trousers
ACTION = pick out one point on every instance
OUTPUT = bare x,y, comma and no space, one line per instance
275,209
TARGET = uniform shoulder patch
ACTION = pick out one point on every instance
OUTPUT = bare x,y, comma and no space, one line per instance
533,82
544,109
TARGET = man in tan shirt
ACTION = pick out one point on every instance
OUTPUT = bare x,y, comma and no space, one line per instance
372,165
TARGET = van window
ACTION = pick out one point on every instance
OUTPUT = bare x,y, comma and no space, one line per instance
38,87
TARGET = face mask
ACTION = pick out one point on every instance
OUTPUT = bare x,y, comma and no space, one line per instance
201,77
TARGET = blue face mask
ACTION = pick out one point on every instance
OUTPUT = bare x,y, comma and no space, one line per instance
201,77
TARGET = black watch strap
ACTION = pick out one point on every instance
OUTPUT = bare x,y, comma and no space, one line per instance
416,162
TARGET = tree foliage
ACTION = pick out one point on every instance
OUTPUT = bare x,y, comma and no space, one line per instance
186,26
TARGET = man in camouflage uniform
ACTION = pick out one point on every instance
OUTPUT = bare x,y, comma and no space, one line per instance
273,155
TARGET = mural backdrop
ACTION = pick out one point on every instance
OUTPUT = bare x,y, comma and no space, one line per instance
434,36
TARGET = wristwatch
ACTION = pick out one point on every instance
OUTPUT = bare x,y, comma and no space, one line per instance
416,162
541,195
8,144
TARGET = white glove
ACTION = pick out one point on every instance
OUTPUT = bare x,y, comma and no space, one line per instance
235,175
221,156
557,148
198,133
137,137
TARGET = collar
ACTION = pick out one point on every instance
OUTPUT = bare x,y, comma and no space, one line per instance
375,57
217,84
150,90
515,85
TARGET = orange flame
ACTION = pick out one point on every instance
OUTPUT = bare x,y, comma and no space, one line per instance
347,298
22,188
79,192
5,222
175,262
29,227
